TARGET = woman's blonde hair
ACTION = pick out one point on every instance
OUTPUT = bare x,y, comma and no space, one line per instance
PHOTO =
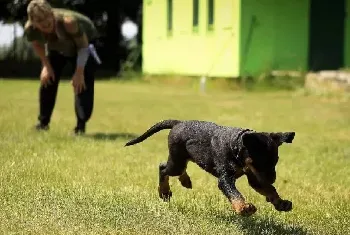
38,9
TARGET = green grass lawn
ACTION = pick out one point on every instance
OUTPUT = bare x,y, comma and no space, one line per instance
56,183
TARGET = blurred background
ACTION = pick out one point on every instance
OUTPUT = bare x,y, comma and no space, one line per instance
119,23
281,42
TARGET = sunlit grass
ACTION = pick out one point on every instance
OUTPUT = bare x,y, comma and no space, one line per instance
56,183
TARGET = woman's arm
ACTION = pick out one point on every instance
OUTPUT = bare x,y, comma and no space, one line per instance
80,40
39,50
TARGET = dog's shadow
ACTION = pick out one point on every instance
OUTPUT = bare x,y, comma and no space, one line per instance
110,136
258,225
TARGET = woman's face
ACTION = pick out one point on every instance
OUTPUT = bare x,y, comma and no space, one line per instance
44,23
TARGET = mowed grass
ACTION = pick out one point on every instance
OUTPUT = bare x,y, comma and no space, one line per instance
56,183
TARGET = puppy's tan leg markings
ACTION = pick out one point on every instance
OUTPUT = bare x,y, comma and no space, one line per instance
242,208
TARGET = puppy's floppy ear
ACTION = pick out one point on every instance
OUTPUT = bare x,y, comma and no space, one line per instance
282,137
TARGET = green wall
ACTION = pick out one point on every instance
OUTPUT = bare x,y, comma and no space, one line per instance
347,35
189,51
249,37
274,35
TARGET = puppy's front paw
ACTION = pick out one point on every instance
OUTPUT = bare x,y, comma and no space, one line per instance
283,205
243,209
247,210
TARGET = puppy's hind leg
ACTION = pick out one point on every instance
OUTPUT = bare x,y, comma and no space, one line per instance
182,161
175,166
164,187
185,180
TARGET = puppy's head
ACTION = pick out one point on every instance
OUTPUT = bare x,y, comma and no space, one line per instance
263,150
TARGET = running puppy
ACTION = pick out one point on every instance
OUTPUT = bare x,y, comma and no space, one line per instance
225,152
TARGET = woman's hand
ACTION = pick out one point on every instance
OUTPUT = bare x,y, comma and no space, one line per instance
78,81
47,75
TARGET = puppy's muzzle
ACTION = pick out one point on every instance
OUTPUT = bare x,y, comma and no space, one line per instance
262,176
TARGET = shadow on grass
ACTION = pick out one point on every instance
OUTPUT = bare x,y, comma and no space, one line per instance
111,136
258,225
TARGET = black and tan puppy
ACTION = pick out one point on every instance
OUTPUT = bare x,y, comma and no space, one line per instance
225,152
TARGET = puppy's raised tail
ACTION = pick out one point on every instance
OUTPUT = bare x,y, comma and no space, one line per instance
166,124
